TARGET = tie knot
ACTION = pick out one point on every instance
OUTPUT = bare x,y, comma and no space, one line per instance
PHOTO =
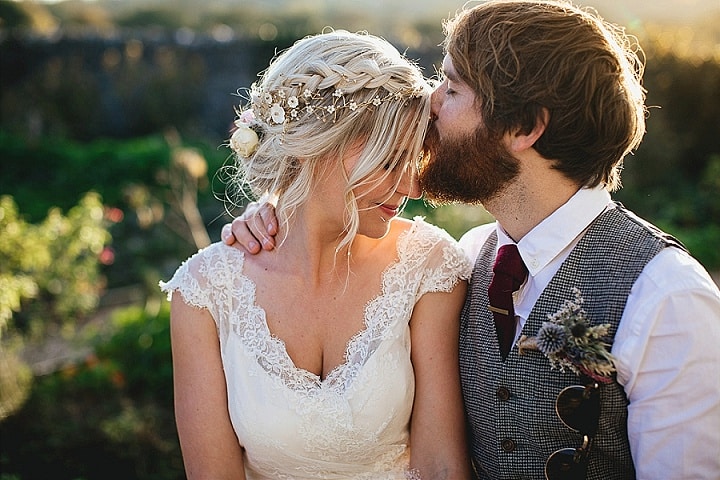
509,262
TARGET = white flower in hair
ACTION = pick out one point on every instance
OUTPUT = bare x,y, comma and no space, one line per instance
277,113
248,117
244,139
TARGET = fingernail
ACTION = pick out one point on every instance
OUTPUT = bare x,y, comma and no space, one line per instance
253,245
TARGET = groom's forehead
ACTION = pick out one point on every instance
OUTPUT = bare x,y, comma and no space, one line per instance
448,69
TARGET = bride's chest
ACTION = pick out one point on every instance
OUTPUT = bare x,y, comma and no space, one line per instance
316,325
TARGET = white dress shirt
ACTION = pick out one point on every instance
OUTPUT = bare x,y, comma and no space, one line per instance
666,349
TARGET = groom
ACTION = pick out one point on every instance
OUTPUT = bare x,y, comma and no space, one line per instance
540,103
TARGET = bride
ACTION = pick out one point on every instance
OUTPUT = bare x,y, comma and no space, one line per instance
334,355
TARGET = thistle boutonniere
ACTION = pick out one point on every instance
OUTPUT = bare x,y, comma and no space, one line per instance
570,343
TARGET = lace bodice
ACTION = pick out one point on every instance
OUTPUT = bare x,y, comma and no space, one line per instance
352,424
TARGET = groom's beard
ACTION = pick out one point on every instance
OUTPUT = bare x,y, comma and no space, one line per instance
470,168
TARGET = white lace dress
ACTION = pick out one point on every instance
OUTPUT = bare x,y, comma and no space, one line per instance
352,424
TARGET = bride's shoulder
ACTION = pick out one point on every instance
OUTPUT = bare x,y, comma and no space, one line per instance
216,255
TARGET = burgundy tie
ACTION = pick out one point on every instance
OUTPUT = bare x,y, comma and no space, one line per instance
509,273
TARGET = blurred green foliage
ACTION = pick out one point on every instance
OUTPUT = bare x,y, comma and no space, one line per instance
137,180
50,271
107,417
53,171
673,179
50,279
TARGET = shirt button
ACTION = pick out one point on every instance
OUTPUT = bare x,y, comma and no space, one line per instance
507,444
503,394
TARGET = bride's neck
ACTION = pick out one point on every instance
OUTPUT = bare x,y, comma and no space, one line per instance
310,242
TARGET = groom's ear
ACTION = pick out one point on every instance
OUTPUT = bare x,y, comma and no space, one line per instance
522,140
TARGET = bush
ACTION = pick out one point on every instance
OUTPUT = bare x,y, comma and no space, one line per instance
49,272
139,179
108,417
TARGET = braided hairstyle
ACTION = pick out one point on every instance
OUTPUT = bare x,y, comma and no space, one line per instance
343,69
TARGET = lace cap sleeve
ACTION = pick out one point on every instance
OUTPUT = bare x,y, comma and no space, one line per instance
199,278
444,262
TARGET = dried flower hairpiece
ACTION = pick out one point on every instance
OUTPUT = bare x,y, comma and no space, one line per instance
278,108
569,342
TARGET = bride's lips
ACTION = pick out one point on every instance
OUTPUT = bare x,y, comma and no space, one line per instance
389,210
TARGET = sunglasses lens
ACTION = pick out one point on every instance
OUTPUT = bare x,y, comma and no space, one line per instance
579,408
562,465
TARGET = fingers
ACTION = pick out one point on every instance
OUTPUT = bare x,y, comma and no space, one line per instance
237,233
267,214
254,230
257,228
226,235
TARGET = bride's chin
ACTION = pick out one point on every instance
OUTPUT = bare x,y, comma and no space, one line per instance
377,230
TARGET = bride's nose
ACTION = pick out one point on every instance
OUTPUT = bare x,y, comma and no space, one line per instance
436,100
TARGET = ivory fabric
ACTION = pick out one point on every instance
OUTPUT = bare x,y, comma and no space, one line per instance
352,424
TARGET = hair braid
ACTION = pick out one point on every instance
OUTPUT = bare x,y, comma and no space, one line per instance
332,92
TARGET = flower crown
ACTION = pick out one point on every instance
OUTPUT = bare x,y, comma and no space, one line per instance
278,108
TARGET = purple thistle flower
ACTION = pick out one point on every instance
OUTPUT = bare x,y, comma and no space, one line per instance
551,338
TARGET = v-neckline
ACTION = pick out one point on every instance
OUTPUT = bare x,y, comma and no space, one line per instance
335,374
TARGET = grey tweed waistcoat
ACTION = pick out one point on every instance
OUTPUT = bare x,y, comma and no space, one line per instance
510,405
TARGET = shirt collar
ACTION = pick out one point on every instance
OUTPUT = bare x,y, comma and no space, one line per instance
554,234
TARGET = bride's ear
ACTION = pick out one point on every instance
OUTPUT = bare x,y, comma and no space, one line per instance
521,141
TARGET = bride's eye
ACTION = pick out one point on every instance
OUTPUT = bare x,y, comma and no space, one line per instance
400,161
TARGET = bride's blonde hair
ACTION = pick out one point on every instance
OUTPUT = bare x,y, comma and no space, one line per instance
319,98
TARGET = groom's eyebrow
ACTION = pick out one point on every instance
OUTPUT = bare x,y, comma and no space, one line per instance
449,75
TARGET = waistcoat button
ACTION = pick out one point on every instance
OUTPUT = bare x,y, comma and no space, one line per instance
507,444
503,394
